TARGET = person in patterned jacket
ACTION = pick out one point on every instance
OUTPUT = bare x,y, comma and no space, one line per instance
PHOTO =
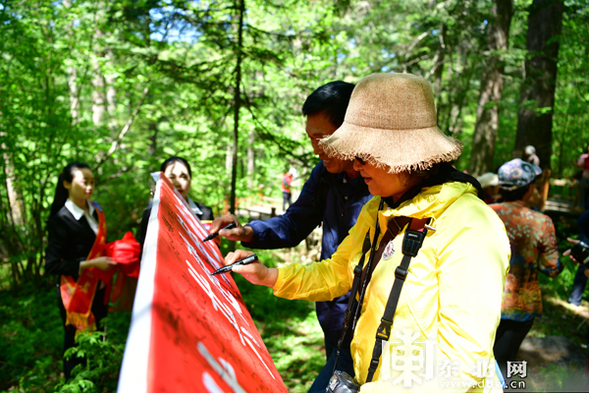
533,249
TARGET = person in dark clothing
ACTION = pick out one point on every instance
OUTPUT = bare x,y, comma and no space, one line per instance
178,171
333,196
76,237
580,280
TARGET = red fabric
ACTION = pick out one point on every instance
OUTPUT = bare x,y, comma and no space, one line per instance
286,182
126,253
78,295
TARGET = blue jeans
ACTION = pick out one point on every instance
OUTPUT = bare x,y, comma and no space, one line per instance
578,287
286,200
344,363
580,280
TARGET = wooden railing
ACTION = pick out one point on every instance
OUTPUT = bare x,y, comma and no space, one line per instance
255,206
562,195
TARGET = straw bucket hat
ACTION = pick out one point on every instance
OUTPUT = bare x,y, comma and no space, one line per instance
391,122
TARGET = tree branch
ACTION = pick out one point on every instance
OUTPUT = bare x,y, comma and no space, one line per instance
124,130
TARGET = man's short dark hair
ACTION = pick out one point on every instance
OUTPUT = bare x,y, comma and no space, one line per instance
514,195
331,98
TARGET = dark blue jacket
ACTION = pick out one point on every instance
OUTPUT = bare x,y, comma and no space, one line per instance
327,198
583,222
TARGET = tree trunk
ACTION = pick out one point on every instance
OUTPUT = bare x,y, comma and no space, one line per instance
251,159
98,98
487,123
229,158
72,78
237,105
12,217
534,125
438,69
111,94
74,99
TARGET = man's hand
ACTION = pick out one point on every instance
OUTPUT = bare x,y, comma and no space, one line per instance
568,252
255,272
239,233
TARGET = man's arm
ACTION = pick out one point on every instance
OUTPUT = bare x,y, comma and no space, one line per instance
286,230
297,223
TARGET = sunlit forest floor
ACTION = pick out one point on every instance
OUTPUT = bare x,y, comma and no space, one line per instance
31,335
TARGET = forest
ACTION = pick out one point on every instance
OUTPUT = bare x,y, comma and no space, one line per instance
123,84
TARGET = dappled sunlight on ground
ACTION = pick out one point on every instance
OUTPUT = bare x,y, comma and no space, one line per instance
555,349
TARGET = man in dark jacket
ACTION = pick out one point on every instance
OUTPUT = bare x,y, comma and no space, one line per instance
333,195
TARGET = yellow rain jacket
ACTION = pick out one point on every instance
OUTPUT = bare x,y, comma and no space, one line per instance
450,305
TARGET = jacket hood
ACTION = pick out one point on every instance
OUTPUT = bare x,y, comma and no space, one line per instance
431,202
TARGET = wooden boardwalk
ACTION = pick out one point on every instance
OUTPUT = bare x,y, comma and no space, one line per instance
562,196
258,208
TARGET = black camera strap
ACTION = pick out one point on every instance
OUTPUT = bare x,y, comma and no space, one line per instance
352,304
414,236
351,314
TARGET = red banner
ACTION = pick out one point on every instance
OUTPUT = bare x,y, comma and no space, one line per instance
190,332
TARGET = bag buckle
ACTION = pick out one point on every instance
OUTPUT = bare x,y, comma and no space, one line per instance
401,273
384,330
412,242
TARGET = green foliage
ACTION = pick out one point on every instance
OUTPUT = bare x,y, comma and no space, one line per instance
31,345
103,361
166,74
31,338
170,67
289,328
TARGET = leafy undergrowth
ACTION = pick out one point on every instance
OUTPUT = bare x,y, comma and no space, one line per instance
560,319
31,345
289,328
31,336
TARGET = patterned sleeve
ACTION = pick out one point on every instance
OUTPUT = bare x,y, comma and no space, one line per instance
549,262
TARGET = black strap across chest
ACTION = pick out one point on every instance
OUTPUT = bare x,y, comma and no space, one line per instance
414,236
416,231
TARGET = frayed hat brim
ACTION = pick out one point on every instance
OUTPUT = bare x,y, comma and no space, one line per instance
398,151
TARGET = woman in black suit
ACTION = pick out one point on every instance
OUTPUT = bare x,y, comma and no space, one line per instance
76,237
178,171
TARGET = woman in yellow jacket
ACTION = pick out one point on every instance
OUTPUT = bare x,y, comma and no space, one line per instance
450,303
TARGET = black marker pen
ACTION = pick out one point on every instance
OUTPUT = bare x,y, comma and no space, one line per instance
214,235
245,261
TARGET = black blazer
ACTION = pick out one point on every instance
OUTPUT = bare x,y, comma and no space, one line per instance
207,214
69,243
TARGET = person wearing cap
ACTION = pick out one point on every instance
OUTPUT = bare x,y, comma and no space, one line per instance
450,303
533,249
490,185
530,155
